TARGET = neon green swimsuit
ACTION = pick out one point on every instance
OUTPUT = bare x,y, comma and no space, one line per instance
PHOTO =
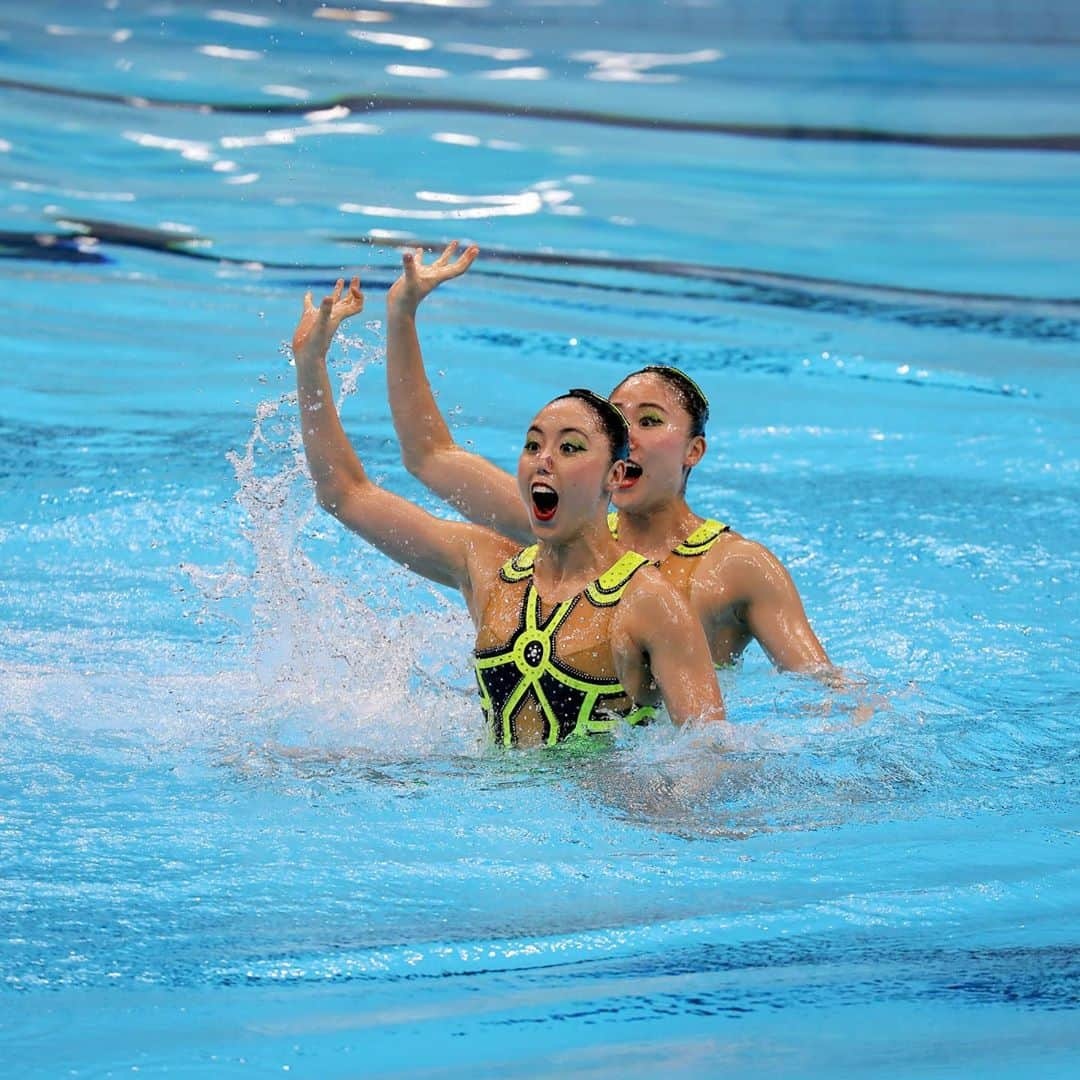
572,702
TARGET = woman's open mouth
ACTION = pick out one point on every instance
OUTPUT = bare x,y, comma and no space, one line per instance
545,502
631,476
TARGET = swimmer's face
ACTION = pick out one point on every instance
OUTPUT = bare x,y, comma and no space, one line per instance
661,444
565,473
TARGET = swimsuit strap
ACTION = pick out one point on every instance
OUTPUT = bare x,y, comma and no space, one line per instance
520,566
606,590
609,587
702,538
697,543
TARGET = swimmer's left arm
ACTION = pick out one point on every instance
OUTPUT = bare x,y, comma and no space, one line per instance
667,631
773,611
474,486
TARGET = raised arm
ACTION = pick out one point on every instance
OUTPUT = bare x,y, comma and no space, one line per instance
666,631
476,487
440,550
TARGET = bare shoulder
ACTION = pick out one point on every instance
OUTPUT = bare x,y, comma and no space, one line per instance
488,552
740,567
735,546
650,601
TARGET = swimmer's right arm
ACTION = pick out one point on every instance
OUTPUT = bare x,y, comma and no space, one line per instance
440,550
476,487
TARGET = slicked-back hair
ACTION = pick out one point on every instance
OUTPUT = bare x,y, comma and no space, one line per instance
691,396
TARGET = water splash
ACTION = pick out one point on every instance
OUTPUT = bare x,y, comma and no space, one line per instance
340,664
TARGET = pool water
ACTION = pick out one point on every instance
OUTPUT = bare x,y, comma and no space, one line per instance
249,822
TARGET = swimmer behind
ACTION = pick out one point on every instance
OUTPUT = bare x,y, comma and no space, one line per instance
737,588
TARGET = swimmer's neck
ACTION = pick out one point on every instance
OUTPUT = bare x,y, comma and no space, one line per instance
563,568
659,530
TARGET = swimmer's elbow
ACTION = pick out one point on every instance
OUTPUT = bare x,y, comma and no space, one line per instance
430,464
339,499
332,502
697,703
416,459
715,714
710,725
328,500
823,670
704,715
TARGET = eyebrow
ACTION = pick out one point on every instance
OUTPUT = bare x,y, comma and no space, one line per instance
562,431
646,405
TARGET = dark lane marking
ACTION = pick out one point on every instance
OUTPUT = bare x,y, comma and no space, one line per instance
159,240
725,275
1018,317
47,247
374,103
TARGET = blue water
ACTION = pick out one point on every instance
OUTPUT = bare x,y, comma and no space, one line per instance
248,819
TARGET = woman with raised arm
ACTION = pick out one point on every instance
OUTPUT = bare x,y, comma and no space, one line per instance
573,633
737,588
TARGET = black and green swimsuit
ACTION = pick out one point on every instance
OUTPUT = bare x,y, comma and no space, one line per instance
572,702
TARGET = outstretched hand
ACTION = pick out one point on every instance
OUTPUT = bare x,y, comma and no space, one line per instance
318,325
417,280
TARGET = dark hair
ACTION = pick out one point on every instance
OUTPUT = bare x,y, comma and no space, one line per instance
691,396
611,420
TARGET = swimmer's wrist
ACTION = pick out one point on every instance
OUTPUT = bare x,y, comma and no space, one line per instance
309,355
402,307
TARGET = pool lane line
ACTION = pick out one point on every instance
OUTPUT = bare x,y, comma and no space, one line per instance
724,275
987,315
47,247
373,103
29,245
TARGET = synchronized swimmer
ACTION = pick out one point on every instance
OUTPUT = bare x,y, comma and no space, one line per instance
737,588
574,633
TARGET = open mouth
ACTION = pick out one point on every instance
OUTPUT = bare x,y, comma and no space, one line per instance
631,476
545,502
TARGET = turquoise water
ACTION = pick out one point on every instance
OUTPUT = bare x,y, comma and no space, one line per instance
248,819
